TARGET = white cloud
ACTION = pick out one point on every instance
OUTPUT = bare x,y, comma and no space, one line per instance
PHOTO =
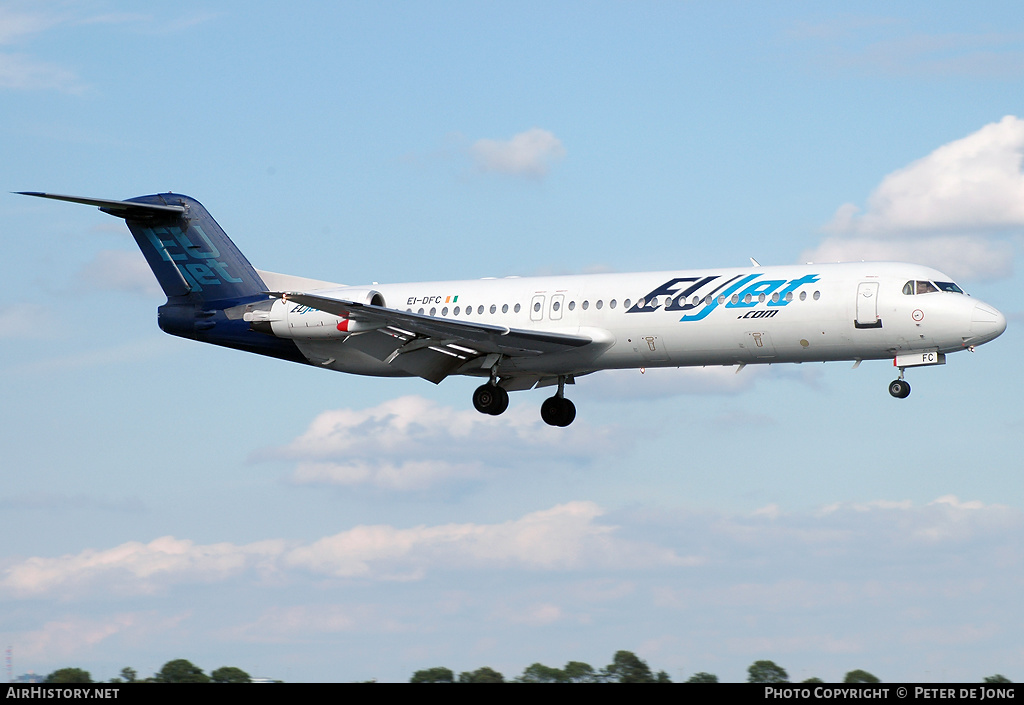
529,153
951,209
411,442
565,537
135,567
969,184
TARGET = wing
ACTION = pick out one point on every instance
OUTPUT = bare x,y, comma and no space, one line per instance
430,347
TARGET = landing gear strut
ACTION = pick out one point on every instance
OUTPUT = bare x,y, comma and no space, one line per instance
899,388
490,399
557,410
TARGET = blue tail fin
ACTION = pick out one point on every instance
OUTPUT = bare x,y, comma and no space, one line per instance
191,256
208,281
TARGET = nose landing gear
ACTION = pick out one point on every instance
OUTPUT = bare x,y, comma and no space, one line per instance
899,388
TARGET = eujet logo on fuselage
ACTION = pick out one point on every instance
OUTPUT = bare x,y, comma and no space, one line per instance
174,246
707,293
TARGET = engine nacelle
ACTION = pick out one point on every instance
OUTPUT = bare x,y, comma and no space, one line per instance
288,319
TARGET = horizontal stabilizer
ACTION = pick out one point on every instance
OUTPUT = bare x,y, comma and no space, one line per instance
122,209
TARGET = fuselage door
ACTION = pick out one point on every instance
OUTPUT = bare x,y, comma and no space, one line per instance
867,306
557,302
537,308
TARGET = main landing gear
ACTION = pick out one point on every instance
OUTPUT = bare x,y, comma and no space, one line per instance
490,399
899,388
556,411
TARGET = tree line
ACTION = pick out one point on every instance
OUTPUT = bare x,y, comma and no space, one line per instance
176,671
627,667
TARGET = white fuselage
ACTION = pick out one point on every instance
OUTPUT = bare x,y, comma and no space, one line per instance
815,312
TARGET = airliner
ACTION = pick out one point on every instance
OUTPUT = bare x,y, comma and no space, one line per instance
520,333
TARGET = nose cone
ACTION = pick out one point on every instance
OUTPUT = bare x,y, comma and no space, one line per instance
987,324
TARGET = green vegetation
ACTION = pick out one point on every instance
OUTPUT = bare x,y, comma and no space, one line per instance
69,675
626,667
766,672
702,677
860,676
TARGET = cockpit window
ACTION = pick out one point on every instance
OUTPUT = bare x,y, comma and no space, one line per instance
908,288
925,287
949,286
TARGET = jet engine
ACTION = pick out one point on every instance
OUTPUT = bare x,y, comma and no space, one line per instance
287,319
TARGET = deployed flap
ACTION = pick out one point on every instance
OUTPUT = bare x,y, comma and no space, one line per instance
482,337
433,348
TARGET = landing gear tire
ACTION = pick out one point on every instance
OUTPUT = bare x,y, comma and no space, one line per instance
899,389
490,399
557,411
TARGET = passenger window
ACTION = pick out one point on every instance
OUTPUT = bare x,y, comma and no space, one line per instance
494,309
517,308
433,311
420,312
555,306
817,295
611,304
600,304
586,305
536,306
626,303
504,308
457,310
444,311
480,310
803,295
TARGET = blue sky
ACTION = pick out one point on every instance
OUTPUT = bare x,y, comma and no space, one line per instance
162,499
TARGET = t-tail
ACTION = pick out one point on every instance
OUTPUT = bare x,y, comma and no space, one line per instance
208,281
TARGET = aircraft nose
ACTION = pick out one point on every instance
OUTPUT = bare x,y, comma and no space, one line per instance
987,323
